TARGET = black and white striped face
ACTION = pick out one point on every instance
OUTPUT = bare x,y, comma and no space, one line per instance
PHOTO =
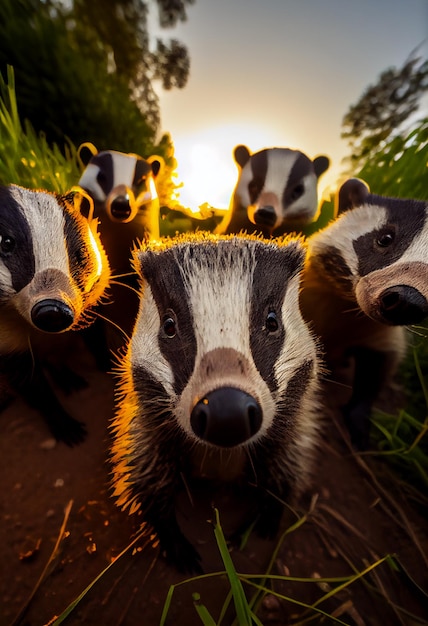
278,186
220,355
377,252
121,183
52,266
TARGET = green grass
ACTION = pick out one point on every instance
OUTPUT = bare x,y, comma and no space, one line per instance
26,158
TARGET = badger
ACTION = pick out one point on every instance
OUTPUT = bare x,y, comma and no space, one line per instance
219,381
276,192
53,270
365,279
126,203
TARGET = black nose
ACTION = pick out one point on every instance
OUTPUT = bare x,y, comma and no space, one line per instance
226,417
402,305
120,208
52,316
265,216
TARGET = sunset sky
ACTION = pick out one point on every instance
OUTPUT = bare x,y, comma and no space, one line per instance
278,73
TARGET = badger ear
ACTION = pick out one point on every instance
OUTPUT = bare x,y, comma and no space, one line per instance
156,166
80,200
86,151
241,155
351,194
321,164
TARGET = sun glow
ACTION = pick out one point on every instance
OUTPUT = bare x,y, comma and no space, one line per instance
206,167
207,176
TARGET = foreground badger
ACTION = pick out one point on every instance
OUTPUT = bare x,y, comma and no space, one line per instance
366,277
52,271
276,192
220,378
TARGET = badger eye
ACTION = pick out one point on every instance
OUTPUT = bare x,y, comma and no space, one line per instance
169,327
297,191
385,239
254,189
271,323
7,244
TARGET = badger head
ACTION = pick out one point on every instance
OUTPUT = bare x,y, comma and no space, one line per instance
52,265
277,188
120,184
377,253
220,360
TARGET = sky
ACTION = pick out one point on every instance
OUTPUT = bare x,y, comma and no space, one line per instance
277,73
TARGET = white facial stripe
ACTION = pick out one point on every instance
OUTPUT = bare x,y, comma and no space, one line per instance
6,281
418,249
46,221
242,186
123,169
297,337
225,291
342,233
279,167
144,346
88,180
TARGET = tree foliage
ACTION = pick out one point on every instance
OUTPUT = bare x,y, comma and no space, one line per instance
400,168
382,110
84,69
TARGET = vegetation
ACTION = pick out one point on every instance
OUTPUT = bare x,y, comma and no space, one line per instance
28,159
383,110
90,71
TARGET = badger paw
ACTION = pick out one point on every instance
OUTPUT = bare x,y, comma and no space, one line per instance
67,429
357,420
267,522
67,380
183,556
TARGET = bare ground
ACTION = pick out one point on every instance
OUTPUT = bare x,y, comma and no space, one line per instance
356,514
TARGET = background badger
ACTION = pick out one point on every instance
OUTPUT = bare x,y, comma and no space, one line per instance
52,271
366,277
219,380
276,191
126,205
125,202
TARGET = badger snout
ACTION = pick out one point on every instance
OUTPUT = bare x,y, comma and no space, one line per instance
226,417
265,216
402,305
52,316
120,204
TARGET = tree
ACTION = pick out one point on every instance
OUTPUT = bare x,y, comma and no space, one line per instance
380,113
84,69
122,27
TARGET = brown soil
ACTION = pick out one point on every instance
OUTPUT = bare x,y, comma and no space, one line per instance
357,515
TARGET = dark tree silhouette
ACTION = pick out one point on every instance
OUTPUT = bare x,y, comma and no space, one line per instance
382,110
85,70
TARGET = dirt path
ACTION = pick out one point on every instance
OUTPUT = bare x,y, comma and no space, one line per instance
353,523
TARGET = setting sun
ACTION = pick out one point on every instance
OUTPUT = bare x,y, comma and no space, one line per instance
205,161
